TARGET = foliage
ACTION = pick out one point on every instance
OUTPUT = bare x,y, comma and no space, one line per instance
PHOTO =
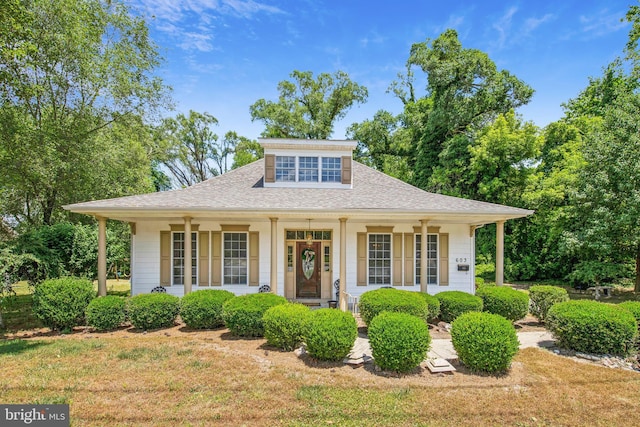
330,334
284,325
455,303
243,314
153,311
106,313
593,327
633,307
543,297
433,305
484,342
61,303
507,302
247,150
399,341
372,303
203,309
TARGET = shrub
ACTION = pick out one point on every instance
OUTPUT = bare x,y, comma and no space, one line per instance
399,341
433,305
593,327
374,302
284,325
543,297
507,302
485,342
330,334
153,311
106,313
243,314
479,282
203,309
455,303
61,303
633,307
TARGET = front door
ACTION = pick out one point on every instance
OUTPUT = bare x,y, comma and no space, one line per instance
308,270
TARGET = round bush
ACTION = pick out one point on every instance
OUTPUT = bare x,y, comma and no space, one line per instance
203,309
372,303
106,313
61,303
543,297
153,311
243,314
485,342
507,302
593,327
399,341
455,303
633,307
284,325
330,334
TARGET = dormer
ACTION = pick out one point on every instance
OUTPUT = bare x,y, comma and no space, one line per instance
307,163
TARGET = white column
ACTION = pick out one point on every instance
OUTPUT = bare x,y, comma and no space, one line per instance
423,255
102,256
499,253
343,265
187,255
274,255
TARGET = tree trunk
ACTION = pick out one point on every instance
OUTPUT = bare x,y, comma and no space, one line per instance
637,287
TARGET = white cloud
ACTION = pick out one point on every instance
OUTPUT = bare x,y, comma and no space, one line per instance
373,38
603,23
533,23
503,26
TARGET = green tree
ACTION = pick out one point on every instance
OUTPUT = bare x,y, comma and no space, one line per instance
308,107
247,151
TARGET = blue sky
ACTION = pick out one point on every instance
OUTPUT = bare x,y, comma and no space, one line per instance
223,55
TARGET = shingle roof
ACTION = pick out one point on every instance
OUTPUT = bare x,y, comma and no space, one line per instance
242,190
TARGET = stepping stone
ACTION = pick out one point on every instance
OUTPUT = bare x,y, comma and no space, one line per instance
439,365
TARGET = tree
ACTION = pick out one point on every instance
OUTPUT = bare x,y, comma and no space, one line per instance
247,151
308,107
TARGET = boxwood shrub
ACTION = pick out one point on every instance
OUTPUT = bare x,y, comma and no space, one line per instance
593,327
543,297
203,309
633,307
243,314
106,313
61,303
372,303
455,303
485,342
505,301
433,305
153,311
399,341
284,325
329,334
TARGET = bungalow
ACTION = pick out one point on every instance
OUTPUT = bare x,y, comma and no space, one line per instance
297,221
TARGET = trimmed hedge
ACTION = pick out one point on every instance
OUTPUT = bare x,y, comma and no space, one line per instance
433,305
203,309
543,297
593,327
507,302
106,313
243,314
284,325
633,307
330,334
61,303
372,303
153,311
485,342
399,341
455,303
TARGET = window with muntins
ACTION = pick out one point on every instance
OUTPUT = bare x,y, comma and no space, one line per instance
331,169
307,169
178,258
379,259
432,258
235,258
285,168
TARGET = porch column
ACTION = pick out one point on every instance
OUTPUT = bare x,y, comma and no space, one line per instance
187,254
423,255
344,306
499,253
274,255
102,256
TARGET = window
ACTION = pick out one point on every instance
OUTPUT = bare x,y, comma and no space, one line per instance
308,169
379,259
178,258
285,168
331,169
432,258
235,259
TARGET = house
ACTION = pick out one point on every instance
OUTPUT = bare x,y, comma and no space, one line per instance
298,220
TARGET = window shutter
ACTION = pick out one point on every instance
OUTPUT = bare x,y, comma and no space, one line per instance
362,259
165,258
203,258
216,258
444,259
397,259
409,258
270,168
254,255
346,170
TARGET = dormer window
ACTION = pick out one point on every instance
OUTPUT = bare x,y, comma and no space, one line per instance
331,169
285,169
308,169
